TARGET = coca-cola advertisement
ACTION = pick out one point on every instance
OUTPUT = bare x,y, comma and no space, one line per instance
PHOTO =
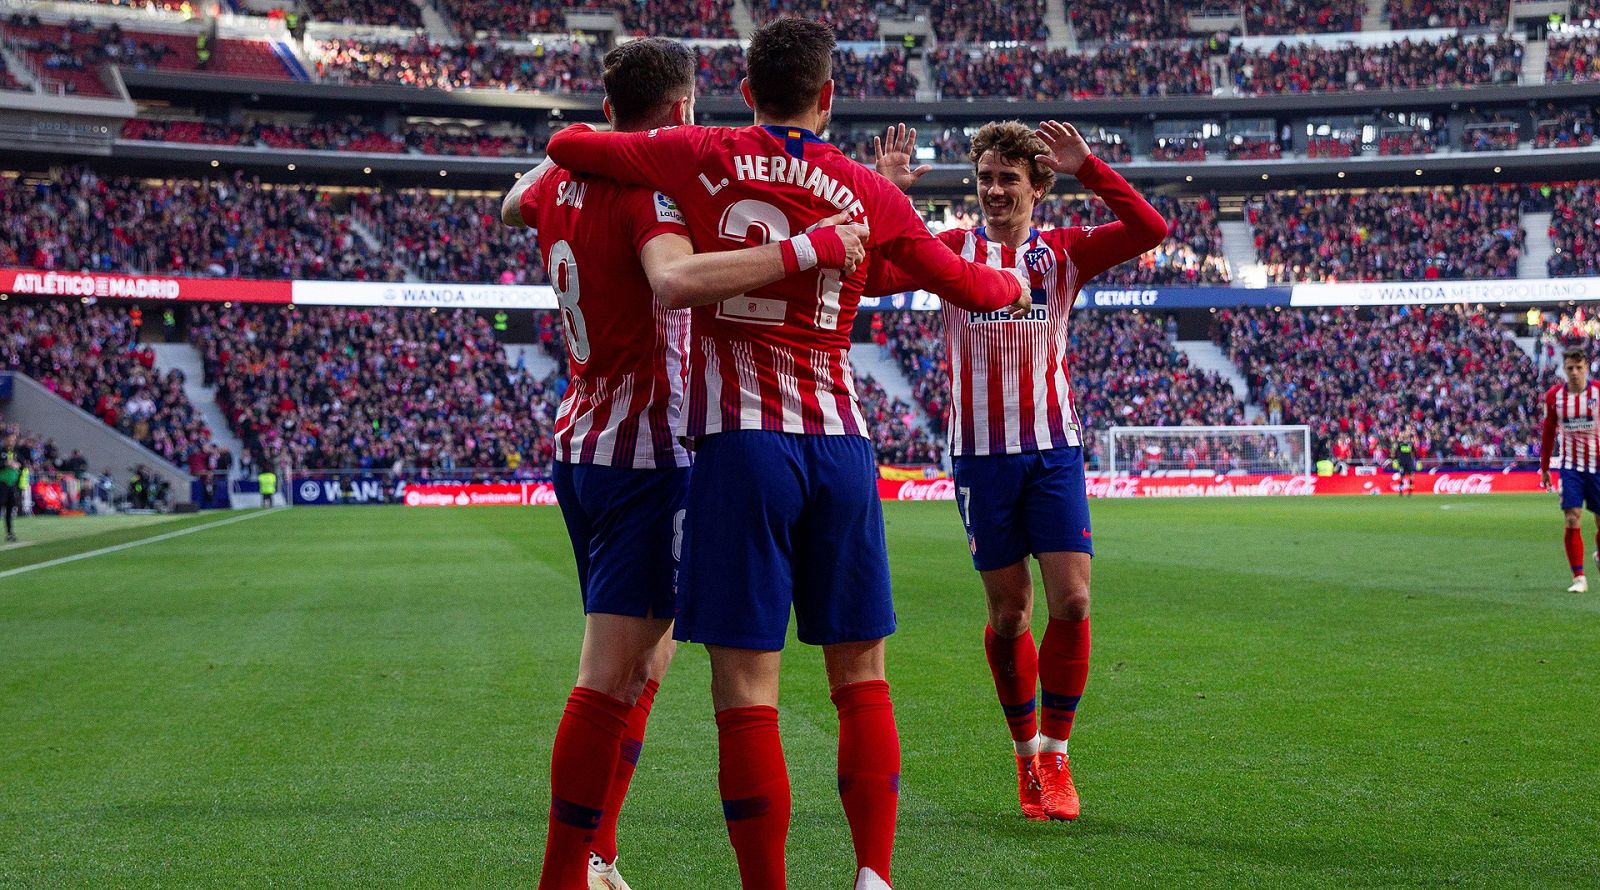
517,494
1247,486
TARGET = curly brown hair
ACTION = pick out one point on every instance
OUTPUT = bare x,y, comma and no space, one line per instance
1014,141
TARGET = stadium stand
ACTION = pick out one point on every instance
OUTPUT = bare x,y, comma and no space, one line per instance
1125,371
1494,131
851,20
1035,74
1359,377
451,237
963,21
350,134
1295,17
395,13
1458,61
679,18
337,388
89,355
1112,20
1191,254
1389,235
883,74
190,132
72,54
1404,14
894,430
1575,230
1565,128
565,67
1416,141
1572,60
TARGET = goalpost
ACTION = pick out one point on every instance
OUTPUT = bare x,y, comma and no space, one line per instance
1208,450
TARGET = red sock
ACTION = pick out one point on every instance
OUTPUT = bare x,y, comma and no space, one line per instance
754,782
869,770
580,773
605,842
1063,671
1015,666
1574,542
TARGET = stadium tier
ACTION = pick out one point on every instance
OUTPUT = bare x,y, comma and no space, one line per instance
1575,231
1460,61
396,13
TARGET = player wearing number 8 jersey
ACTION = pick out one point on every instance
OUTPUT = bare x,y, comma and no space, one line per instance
1015,435
783,508
1570,443
623,269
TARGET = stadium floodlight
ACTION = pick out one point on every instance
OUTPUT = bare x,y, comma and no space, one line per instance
1208,450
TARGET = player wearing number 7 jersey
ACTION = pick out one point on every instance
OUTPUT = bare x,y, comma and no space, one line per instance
783,508
620,473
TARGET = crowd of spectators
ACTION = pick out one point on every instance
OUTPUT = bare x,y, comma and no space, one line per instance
346,134
1178,149
893,426
963,21
1456,61
1565,128
1494,131
231,225
1389,234
450,236
1575,230
1037,74
884,74
1413,141
1407,14
1128,19
849,19
373,388
1572,59
640,18
1125,369
396,13
1343,145
1298,17
90,356
557,68
1254,148
1192,252
1360,378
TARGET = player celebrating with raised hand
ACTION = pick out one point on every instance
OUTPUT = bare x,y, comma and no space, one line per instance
1572,418
624,272
1015,437
783,509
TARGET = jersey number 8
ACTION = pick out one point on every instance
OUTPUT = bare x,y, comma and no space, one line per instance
564,278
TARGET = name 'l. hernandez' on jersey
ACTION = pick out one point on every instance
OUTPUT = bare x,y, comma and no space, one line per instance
777,358
1011,390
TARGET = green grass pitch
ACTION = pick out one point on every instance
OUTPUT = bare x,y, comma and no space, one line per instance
1297,692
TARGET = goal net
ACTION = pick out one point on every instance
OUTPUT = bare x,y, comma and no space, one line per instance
1208,450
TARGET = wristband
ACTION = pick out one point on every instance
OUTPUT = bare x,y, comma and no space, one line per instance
791,261
828,247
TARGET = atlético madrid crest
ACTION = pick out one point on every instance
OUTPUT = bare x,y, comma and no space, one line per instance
1040,259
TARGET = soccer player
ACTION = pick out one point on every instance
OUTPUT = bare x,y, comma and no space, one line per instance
1405,460
10,484
624,273
1015,437
783,508
1572,417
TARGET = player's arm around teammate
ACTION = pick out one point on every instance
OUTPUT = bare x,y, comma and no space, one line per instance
1019,458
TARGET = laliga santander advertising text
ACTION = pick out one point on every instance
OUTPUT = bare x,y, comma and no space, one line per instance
519,494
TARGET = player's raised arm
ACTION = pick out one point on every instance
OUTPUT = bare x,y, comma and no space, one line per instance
893,153
516,209
683,279
921,260
660,158
1139,227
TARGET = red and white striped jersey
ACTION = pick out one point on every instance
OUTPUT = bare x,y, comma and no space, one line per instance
777,358
1010,388
1572,423
626,353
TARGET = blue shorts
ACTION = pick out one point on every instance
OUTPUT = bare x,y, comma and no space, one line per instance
1016,504
623,523
778,520
1580,489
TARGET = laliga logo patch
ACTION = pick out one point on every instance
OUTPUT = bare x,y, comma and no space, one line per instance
1040,259
667,210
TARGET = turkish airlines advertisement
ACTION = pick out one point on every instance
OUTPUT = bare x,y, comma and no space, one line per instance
512,494
100,285
1246,486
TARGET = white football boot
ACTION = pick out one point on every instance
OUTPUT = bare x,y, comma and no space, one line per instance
1580,584
603,875
868,879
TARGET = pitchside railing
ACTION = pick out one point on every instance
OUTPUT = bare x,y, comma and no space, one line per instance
1208,450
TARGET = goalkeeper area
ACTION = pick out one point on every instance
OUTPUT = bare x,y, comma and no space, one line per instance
1284,692
1208,450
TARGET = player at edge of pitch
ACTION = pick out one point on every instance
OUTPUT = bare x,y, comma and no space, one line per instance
1572,419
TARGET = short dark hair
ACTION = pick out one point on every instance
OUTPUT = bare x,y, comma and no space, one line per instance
788,62
1574,354
643,75
1014,141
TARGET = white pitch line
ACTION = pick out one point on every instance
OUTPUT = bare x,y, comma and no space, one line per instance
139,543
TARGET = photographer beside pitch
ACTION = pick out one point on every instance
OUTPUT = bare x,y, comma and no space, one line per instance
1015,438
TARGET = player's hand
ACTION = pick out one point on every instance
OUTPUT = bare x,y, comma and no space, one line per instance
1024,301
1544,479
893,151
1068,151
853,236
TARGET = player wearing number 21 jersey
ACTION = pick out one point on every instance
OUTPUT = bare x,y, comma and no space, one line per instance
783,510
622,267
